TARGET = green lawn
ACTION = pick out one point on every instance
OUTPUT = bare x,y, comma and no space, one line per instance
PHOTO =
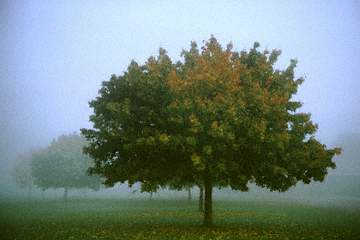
172,219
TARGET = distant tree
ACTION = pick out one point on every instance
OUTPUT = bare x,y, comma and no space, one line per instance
220,116
63,165
349,161
149,187
21,173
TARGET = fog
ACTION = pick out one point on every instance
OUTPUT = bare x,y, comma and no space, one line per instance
55,54
336,192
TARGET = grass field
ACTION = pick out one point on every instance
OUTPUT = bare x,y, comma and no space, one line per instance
172,219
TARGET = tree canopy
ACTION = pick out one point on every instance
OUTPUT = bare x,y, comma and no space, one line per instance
63,165
220,116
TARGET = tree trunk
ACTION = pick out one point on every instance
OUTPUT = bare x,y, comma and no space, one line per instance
66,194
151,193
201,200
29,196
208,199
189,195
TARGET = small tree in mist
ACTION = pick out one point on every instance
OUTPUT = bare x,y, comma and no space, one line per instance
21,173
349,161
63,165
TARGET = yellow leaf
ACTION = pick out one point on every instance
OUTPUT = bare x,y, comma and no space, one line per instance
207,150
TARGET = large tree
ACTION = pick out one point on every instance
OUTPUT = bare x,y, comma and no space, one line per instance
221,116
63,165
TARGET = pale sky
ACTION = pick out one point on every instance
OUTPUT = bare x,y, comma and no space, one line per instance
55,54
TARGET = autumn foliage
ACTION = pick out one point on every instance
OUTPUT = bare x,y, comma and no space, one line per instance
220,116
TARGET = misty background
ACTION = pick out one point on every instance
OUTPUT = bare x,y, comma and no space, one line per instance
55,54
